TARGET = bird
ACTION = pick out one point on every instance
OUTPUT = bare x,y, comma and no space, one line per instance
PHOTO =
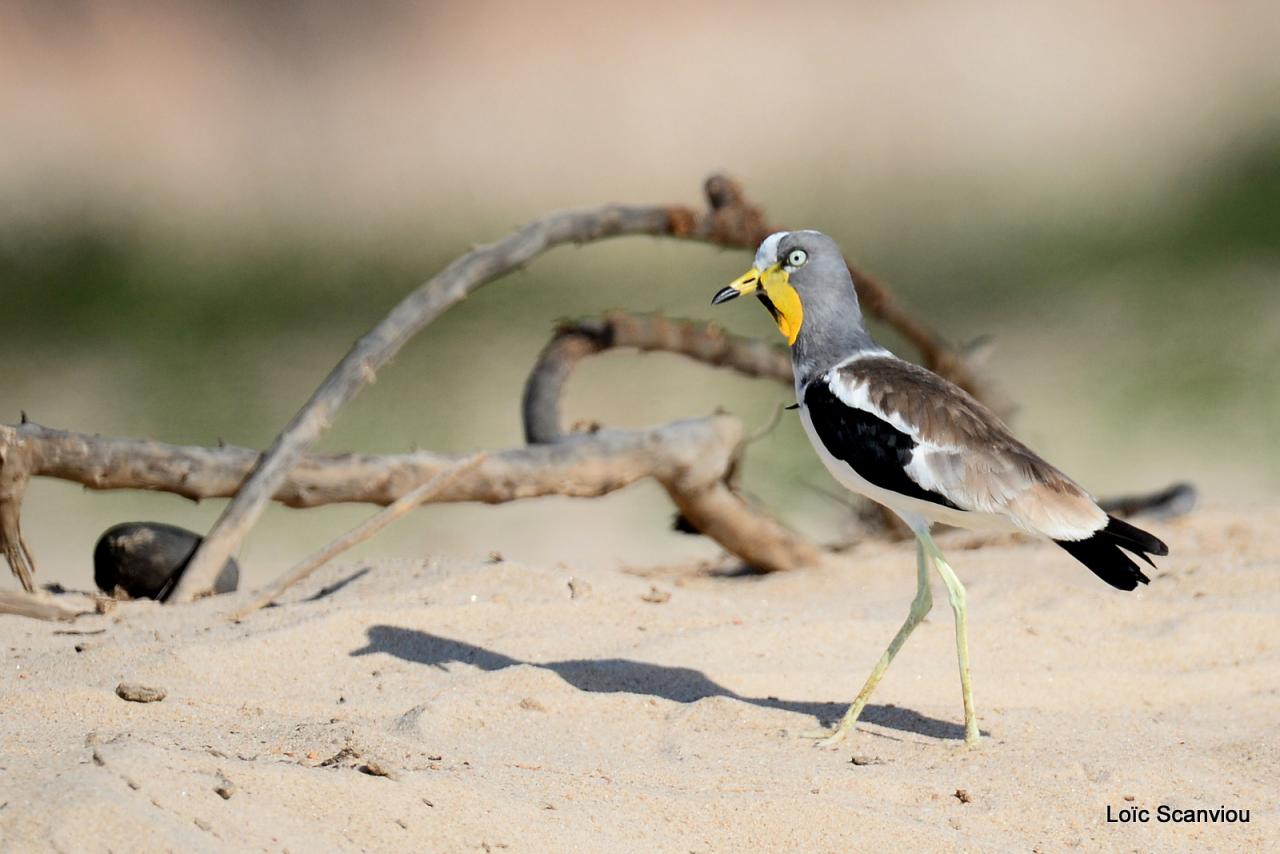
903,436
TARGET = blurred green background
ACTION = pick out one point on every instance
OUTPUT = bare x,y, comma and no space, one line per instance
206,204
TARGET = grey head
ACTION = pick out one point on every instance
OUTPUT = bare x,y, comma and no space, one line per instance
802,279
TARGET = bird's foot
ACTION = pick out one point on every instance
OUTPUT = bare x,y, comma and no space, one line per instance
825,737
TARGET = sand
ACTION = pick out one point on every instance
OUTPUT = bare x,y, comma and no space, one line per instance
464,704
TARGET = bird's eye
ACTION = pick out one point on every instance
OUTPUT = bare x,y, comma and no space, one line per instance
796,258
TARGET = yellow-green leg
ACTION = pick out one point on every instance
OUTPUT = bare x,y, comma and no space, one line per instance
955,591
919,608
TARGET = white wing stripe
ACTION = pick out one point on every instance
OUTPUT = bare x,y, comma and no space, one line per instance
854,395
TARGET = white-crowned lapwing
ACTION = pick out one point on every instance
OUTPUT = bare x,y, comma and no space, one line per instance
905,437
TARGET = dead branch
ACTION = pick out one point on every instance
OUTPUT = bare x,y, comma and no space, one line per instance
730,220
691,460
366,529
585,466
572,341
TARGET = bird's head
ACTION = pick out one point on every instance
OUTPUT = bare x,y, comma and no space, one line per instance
793,270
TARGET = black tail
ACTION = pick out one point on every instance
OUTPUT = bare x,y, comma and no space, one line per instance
1102,553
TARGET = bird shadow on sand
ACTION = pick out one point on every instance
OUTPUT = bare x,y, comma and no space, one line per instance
620,675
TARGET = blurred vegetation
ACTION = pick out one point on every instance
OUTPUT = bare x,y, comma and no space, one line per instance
199,327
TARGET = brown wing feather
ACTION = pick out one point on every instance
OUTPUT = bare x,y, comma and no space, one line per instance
969,455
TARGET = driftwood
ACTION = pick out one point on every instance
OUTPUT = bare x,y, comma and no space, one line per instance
689,451
572,341
692,459
730,220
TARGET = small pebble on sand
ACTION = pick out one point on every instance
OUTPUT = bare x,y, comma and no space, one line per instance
135,693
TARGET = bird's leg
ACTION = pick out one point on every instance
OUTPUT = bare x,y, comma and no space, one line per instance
955,591
919,608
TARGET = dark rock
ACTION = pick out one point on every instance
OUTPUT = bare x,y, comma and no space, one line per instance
145,560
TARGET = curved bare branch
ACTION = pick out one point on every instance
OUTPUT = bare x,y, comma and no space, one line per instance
574,340
691,459
730,220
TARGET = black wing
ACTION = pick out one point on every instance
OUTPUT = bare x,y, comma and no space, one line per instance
871,446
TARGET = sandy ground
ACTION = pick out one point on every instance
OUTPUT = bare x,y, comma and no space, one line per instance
509,709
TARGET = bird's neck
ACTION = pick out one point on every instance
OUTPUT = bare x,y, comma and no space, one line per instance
818,350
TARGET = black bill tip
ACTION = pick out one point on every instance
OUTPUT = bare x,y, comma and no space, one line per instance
725,294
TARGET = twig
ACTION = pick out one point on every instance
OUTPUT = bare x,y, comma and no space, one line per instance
730,221
359,534
37,607
770,424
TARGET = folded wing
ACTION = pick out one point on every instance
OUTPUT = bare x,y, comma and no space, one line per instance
962,452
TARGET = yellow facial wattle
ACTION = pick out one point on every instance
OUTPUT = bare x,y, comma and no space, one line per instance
775,291
784,302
